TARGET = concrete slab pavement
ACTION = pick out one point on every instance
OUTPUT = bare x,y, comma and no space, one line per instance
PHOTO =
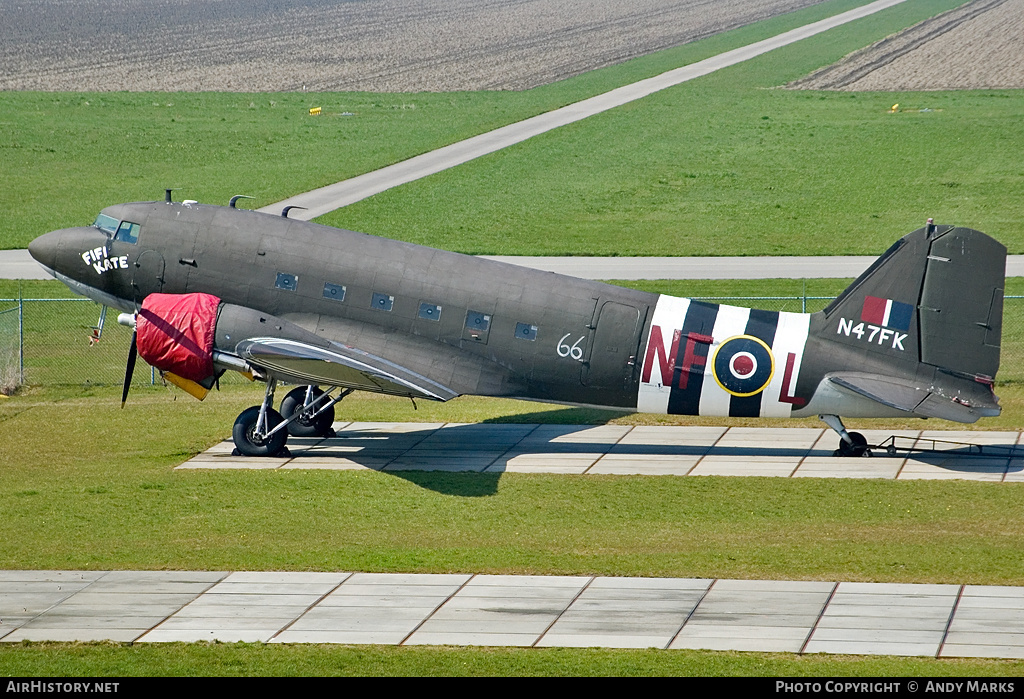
889,619
641,450
507,610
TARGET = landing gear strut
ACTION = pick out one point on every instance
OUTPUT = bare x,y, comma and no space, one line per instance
850,443
306,411
259,430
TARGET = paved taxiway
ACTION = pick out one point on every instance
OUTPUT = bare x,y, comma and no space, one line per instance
18,264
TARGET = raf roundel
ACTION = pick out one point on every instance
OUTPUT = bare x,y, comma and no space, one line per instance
743,365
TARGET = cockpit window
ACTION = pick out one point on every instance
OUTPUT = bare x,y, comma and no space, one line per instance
106,223
128,232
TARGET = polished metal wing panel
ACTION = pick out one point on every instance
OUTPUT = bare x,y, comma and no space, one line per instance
298,362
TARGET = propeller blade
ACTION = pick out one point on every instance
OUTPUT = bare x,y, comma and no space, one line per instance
133,352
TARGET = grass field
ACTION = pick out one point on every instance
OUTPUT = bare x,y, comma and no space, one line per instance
721,165
105,496
87,485
726,165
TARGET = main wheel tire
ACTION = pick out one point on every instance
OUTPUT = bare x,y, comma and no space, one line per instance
858,448
246,440
320,426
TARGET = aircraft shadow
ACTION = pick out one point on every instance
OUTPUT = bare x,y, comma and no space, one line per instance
580,417
971,460
469,460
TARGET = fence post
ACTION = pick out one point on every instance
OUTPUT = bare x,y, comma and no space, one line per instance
803,307
21,336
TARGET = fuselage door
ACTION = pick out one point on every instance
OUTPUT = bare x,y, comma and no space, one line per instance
615,346
166,255
147,274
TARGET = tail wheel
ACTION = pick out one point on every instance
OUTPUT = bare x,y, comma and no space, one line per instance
251,444
858,448
304,426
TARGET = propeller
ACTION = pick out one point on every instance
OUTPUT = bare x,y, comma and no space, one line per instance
133,353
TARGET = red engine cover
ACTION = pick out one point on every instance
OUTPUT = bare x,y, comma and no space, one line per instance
176,332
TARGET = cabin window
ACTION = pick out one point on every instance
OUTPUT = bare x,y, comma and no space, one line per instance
127,232
477,326
106,224
430,311
382,302
477,321
335,292
288,282
525,331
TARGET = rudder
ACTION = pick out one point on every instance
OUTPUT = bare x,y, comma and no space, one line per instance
961,307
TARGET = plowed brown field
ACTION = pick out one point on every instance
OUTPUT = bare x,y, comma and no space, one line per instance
977,45
374,45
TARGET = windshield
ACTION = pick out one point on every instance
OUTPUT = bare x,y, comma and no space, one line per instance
128,232
106,224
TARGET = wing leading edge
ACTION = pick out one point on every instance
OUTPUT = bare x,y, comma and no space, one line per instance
302,363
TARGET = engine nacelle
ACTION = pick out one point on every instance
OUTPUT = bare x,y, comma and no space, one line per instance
176,334
194,336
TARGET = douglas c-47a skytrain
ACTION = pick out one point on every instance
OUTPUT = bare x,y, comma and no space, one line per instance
211,288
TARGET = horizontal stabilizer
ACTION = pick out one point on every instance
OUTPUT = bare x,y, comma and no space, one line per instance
908,396
298,362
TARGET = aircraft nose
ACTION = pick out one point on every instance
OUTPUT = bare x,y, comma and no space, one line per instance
44,248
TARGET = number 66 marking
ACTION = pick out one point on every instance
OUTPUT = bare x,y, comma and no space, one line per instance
576,352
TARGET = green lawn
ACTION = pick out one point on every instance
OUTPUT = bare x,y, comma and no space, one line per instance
64,156
245,660
105,495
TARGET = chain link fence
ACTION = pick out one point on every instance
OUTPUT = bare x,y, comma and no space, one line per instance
11,369
53,343
48,341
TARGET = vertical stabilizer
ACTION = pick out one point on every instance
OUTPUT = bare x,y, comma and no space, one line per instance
935,298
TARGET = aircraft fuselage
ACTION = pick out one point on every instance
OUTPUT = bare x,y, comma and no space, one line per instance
481,327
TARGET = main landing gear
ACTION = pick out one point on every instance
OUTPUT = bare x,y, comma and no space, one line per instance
312,419
307,411
850,443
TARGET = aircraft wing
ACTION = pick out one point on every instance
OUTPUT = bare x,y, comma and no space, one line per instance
911,397
348,367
